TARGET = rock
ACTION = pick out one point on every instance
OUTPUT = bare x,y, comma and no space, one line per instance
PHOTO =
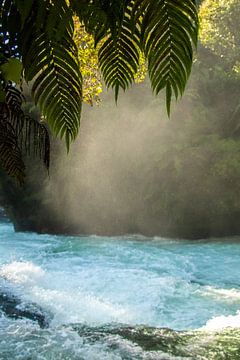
13,307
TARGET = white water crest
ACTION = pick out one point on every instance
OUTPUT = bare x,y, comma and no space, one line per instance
228,296
231,295
95,281
22,273
51,291
223,322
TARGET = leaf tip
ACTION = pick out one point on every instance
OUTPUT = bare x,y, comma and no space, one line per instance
116,93
168,98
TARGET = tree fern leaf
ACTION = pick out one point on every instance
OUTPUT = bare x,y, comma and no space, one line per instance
32,136
168,97
119,54
10,153
169,29
54,67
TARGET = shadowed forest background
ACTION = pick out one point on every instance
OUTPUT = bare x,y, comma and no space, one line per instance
132,170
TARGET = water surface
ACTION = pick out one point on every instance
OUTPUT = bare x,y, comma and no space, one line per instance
132,280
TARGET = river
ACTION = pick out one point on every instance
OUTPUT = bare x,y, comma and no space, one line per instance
117,298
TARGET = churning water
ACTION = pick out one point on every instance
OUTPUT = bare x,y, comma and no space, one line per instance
110,298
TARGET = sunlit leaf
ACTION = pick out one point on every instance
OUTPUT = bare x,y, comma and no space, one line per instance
12,70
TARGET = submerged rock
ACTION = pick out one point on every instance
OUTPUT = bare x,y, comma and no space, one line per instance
149,339
13,307
169,344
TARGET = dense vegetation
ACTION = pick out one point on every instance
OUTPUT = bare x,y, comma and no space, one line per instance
181,181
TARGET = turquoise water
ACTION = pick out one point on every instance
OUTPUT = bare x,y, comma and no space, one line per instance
94,281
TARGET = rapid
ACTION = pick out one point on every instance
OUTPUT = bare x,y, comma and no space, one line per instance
119,298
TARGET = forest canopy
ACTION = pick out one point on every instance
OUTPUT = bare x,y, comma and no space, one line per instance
220,30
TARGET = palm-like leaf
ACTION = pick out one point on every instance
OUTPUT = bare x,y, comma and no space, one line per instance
50,59
119,53
32,136
165,30
168,31
20,134
100,16
110,23
10,152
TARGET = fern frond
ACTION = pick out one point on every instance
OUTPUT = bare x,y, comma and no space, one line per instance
119,54
165,30
19,135
50,59
169,29
32,136
10,153
110,24
100,16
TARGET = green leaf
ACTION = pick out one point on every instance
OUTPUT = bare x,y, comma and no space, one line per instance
120,53
12,70
169,30
20,134
51,61
168,97
10,153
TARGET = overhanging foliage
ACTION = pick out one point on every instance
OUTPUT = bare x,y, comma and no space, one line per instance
41,34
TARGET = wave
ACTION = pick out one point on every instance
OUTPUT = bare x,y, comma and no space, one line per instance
64,340
222,322
68,304
20,272
219,293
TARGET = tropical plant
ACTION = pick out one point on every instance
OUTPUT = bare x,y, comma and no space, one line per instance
19,133
92,84
40,34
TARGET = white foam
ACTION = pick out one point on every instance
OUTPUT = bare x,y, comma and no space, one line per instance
68,305
22,272
225,294
78,307
222,322
98,292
